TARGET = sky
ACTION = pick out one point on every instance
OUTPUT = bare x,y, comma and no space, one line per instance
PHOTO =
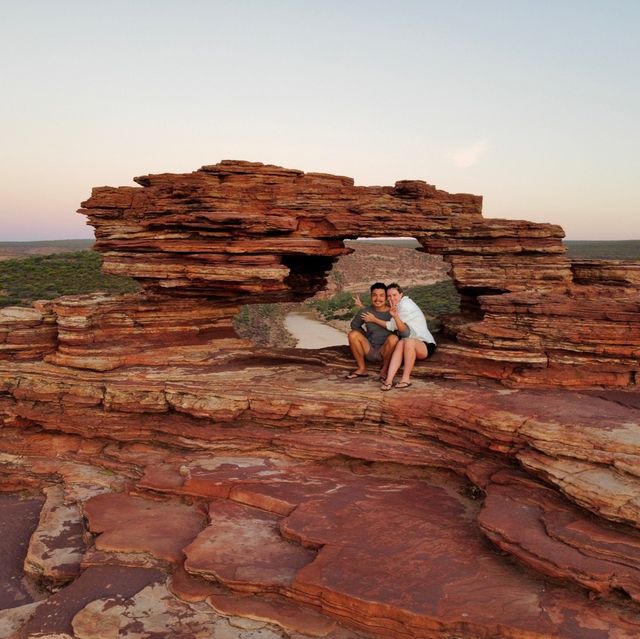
532,104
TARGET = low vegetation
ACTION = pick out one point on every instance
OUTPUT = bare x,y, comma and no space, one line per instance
434,299
25,280
264,324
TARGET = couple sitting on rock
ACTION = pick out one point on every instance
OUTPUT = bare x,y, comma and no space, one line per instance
392,331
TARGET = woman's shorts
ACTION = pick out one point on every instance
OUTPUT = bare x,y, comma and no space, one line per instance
431,348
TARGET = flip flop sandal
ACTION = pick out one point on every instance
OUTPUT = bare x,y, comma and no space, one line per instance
355,375
402,385
386,387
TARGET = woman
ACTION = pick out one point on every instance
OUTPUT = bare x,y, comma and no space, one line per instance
416,343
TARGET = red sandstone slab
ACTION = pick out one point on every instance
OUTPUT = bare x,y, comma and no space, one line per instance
57,545
191,588
133,525
273,483
243,549
273,609
409,561
281,496
547,533
216,477
162,478
384,446
18,519
432,422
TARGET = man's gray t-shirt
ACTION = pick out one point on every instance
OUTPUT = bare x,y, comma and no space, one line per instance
377,335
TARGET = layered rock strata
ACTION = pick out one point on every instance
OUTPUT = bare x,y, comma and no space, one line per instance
191,485
247,233
102,332
27,333
281,493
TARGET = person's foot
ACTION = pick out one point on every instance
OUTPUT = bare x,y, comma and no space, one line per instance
402,385
356,374
386,387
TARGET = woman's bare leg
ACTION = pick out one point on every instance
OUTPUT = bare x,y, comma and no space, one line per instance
395,362
386,352
413,349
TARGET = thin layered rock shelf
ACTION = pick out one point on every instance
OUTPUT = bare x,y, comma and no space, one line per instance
181,482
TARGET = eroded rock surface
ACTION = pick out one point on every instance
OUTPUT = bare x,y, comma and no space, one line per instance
19,520
186,484
376,511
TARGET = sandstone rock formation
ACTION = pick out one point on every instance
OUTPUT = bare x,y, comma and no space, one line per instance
179,482
246,232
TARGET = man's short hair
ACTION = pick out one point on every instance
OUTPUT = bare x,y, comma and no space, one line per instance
396,286
378,285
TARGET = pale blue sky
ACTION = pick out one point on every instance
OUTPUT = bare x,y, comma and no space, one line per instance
532,104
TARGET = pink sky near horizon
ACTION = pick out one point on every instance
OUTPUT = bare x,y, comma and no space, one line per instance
533,107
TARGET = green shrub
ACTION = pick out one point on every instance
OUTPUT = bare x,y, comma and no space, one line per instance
337,307
49,276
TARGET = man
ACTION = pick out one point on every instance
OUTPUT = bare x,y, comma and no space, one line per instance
377,344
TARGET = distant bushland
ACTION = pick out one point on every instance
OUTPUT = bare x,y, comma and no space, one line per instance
11,250
602,249
43,277
60,244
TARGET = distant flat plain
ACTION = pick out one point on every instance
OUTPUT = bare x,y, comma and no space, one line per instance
11,250
587,249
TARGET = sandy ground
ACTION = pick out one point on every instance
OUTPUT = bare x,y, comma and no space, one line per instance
313,334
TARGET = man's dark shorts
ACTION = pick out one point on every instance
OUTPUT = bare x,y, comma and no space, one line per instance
374,354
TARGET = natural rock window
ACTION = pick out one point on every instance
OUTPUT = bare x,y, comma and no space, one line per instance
203,244
424,276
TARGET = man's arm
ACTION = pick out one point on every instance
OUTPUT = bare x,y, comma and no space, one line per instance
399,325
404,332
368,316
357,321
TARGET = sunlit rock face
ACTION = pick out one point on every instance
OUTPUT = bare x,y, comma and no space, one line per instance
255,232
242,232
190,484
27,333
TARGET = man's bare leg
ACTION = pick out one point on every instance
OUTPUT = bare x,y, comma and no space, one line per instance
359,346
386,352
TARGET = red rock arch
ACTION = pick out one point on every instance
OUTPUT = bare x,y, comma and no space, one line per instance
239,232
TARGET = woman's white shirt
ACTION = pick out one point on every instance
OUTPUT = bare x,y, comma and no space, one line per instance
415,320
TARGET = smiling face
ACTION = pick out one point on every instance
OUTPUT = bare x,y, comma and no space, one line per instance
378,298
394,296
